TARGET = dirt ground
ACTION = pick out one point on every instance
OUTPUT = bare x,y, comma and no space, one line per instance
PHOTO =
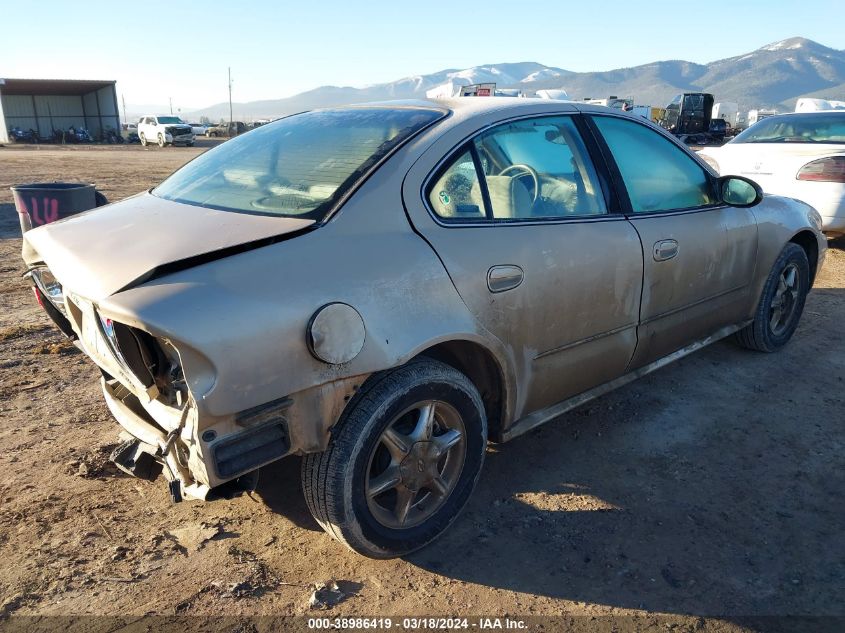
704,494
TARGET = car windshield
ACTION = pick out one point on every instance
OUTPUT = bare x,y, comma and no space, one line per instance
298,166
797,128
170,119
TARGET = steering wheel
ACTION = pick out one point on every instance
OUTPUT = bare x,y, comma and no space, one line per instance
525,169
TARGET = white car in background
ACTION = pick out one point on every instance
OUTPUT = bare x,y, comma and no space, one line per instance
798,155
164,130
199,129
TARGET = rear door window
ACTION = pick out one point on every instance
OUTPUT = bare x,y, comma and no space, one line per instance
531,169
457,194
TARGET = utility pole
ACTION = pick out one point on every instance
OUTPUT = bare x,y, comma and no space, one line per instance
230,99
171,104
125,118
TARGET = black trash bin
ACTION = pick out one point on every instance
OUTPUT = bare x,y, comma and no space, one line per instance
42,203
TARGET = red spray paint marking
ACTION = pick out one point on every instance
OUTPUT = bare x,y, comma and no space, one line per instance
49,211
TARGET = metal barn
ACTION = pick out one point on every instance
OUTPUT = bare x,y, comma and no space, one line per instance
57,104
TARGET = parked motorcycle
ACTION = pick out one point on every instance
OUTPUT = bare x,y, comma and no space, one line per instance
80,135
18,135
111,137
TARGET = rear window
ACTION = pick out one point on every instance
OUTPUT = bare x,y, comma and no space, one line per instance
299,166
796,128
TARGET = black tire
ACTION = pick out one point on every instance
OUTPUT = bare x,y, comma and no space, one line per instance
161,141
335,482
761,335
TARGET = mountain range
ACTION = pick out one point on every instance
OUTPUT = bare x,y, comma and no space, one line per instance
773,76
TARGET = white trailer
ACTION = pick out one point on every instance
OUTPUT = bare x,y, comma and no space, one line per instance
508,92
553,93
611,102
759,115
728,111
807,104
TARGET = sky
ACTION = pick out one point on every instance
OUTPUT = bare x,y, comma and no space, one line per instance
180,50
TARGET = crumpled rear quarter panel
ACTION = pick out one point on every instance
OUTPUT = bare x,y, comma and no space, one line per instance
247,314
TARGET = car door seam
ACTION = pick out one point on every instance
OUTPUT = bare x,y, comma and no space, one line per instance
588,339
642,294
686,306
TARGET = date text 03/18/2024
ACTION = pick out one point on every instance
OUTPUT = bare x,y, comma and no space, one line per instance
416,623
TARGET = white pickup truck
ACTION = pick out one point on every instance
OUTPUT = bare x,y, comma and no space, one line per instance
165,130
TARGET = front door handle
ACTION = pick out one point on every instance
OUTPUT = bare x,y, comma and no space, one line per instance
501,278
665,249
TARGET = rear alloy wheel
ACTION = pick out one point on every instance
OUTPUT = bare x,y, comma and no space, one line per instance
143,139
161,142
415,465
781,304
402,462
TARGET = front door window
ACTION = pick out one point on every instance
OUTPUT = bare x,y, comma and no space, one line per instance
658,175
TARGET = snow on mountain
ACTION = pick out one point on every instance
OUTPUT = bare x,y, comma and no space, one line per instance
772,76
500,74
790,44
541,75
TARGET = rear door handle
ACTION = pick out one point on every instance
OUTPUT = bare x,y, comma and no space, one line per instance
501,278
665,249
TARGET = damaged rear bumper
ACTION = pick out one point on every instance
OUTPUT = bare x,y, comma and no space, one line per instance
195,467
146,449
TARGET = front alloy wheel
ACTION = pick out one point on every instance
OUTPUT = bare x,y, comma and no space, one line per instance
402,461
786,299
781,303
161,141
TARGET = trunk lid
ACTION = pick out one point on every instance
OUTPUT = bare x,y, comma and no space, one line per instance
770,164
103,251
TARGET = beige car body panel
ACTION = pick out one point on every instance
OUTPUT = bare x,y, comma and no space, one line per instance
239,322
566,273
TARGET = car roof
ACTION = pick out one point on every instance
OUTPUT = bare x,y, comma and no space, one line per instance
458,110
468,106
804,114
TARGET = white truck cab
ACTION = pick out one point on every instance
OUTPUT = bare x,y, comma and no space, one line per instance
165,130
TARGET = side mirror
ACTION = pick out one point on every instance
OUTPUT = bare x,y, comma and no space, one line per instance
738,191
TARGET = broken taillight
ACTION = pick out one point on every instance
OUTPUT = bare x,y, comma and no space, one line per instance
144,356
50,296
830,169
47,287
